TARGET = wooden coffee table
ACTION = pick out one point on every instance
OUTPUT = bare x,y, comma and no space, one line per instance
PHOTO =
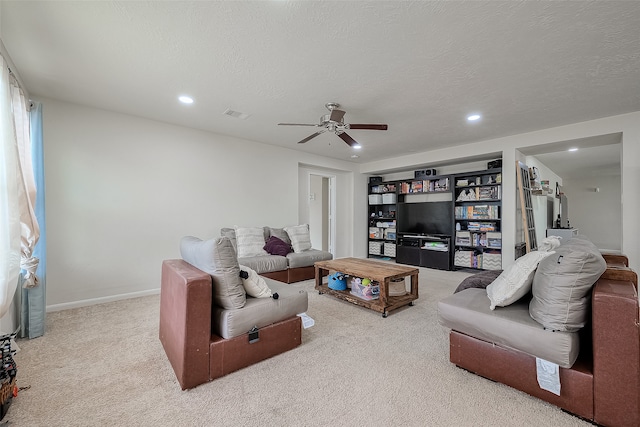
381,272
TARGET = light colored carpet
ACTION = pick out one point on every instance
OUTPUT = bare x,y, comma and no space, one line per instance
104,366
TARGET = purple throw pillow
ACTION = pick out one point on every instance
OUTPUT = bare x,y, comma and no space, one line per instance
277,246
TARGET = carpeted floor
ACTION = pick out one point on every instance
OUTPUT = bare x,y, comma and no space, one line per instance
104,366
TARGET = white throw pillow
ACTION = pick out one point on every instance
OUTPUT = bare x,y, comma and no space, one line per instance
250,241
515,282
300,237
255,285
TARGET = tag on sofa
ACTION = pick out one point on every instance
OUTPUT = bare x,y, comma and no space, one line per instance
548,376
307,321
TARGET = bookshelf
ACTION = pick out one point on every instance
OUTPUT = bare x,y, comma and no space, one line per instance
382,219
477,217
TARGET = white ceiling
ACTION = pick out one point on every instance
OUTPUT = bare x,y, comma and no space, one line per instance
418,66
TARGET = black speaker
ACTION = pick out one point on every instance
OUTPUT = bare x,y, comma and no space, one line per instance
424,173
374,179
494,164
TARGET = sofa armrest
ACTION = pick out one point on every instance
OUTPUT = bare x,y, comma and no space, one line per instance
616,259
616,353
185,320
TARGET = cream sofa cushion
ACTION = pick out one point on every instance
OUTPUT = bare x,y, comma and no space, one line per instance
300,237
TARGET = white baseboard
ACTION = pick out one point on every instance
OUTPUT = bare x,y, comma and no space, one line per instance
101,300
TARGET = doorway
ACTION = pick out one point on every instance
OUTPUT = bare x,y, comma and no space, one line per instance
321,203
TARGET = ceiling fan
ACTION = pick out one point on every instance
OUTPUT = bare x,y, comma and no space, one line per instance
334,122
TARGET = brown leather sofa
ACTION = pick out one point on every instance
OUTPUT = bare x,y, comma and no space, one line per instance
603,385
187,314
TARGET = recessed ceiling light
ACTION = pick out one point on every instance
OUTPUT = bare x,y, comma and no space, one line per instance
357,146
473,117
572,149
185,99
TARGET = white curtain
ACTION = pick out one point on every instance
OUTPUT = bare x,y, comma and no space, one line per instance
19,230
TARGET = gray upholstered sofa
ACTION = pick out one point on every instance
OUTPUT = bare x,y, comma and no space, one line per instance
295,266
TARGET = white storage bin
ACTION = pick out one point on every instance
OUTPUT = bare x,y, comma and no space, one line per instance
390,249
388,198
463,258
463,238
491,261
494,240
390,233
375,199
375,248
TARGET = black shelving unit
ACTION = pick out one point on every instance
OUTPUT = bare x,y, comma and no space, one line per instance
382,220
478,216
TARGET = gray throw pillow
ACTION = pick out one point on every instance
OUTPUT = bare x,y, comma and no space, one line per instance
231,234
218,258
562,285
280,234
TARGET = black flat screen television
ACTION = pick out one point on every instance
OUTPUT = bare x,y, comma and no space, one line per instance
425,218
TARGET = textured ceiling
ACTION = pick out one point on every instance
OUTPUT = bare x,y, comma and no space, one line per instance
418,66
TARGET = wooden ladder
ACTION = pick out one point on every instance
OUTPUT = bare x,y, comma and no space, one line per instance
526,207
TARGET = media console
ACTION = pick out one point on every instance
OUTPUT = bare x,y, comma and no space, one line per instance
430,251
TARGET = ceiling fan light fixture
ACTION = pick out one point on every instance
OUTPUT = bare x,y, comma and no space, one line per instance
334,123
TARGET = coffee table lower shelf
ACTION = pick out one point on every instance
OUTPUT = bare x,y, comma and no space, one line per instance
374,304
381,272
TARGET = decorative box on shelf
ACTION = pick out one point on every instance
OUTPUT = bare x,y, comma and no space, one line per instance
463,238
375,199
390,249
494,239
375,248
390,233
375,233
491,261
465,259
388,198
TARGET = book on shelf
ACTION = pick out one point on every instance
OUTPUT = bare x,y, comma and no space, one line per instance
477,212
481,226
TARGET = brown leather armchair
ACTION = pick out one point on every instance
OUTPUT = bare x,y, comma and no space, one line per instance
603,385
196,354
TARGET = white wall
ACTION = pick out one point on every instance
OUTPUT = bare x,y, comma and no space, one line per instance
122,190
596,214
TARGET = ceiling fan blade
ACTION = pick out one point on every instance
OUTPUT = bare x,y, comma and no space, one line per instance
296,124
336,115
370,127
311,136
346,138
